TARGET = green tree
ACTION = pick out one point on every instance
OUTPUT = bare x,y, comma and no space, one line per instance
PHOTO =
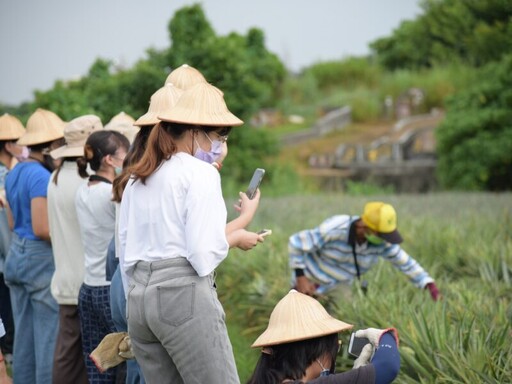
474,32
474,142
250,76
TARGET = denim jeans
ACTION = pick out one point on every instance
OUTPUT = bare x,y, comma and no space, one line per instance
28,272
118,308
176,324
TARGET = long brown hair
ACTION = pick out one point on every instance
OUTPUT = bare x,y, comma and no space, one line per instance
161,146
132,157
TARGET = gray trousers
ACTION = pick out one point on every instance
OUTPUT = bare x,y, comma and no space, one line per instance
176,325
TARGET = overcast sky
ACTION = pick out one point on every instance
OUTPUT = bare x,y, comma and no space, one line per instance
45,40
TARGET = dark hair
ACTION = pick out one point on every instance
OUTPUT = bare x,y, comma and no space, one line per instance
290,360
3,142
160,146
42,147
133,156
98,145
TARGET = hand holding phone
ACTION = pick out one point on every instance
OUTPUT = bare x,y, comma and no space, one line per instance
264,232
356,344
255,182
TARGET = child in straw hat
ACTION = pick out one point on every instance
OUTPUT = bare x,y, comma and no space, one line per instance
300,345
29,266
173,235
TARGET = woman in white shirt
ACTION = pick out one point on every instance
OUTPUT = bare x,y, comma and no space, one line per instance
68,252
173,234
104,152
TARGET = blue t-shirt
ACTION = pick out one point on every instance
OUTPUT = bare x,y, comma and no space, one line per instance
26,181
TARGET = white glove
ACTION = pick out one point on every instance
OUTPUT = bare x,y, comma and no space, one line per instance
365,356
371,334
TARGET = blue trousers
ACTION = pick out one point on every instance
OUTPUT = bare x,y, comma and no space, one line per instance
28,272
118,308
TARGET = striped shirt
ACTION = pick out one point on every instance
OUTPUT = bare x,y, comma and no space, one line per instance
325,255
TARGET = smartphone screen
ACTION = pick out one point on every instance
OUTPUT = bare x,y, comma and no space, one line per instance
255,182
356,345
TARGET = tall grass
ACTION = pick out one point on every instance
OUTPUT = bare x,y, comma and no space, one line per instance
464,242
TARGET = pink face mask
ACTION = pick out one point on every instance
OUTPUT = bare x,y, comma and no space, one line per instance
20,152
24,154
211,155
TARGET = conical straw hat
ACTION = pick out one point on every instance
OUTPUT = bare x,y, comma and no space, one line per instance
202,104
185,77
42,126
161,101
10,128
76,133
298,317
123,123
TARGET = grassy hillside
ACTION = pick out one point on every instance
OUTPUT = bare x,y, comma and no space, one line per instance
463,240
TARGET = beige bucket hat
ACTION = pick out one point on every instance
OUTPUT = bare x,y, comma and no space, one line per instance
203,104
298,317
161,101
123,123
42,126
185,77
76,133
10,128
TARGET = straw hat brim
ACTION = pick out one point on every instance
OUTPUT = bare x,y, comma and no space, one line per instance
298,317
297,332
148,118
204,105
10,128
186,116
34,138
68,151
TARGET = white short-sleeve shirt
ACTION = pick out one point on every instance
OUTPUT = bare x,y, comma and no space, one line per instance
96,214
178,212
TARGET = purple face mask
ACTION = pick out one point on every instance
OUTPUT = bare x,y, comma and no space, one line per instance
213,154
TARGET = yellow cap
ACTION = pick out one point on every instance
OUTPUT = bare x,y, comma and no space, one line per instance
381,218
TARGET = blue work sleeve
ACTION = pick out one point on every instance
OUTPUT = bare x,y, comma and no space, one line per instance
386,360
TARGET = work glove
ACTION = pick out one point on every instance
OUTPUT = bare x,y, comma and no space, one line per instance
365,356
374,335
112,351
125,348
434,291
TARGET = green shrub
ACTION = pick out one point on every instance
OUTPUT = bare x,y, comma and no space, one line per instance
474,142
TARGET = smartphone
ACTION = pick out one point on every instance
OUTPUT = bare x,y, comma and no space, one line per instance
255,182
265,232
355,345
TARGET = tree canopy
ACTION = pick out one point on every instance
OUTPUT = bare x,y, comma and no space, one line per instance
474,142
472,32
250,76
